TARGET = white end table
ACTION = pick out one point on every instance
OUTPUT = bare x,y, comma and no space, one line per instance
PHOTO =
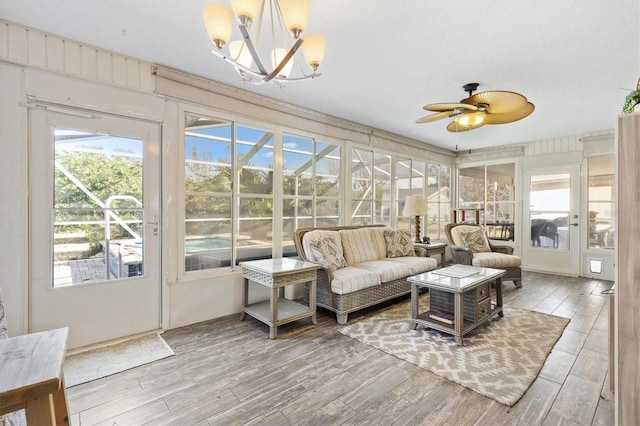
433,249
278,273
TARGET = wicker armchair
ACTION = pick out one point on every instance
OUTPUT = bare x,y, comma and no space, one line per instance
500,257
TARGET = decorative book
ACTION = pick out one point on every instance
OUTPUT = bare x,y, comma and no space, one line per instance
442,316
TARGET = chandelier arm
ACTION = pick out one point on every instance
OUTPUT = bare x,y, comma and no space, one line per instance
252,50
284,60
306,77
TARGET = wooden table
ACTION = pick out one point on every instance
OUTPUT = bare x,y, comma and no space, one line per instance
276,274
31,376
433,249
462,290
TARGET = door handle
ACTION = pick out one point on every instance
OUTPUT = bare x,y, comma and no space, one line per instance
155,225
574,224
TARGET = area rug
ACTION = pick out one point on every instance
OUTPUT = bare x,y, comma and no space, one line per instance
97,363
499,360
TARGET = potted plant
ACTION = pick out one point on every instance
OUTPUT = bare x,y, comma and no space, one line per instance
632,100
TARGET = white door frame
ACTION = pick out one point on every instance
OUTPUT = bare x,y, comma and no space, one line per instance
99,311
553,260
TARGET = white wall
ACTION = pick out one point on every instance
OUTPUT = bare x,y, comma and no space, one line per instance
38,67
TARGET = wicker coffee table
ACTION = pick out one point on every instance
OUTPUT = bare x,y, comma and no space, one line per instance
461,290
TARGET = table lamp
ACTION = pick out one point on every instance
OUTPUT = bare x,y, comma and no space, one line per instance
415,205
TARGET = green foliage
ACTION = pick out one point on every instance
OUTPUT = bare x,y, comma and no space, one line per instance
103,176
631,101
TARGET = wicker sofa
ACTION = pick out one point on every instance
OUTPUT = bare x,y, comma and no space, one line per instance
370,276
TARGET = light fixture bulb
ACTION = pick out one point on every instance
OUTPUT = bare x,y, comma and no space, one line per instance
218,20
471,119
313,50
295,14
276,57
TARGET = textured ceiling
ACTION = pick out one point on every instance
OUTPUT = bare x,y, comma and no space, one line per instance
574,59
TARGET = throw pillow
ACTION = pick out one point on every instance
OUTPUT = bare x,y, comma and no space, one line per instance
475,241
328,254
398,243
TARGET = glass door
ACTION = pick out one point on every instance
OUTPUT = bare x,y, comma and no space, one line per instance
552,211
94,221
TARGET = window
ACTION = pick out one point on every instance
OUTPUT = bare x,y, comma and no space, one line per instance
98,210
208,179
214,150
311,185
438,200
601,197
487,193
550,210
411,176
500,206
370,187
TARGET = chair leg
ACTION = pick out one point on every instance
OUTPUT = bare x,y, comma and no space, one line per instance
518,283
341,318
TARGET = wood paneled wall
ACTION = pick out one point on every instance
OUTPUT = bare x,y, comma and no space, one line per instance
38,49
628,272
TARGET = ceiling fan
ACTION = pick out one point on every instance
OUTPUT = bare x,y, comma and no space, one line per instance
493,107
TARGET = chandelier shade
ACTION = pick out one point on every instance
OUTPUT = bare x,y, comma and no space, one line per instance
247,9
218,21
254,49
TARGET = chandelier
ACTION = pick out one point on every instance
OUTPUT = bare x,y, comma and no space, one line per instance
285,20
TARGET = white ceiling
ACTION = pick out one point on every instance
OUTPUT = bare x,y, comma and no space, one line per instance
574,59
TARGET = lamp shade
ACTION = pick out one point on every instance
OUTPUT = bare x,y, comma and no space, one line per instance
218,19
313,50
414,205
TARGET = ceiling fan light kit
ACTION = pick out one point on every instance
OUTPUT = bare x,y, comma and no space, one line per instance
285,22
493,107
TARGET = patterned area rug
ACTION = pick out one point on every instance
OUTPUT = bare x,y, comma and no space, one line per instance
97,363
499,360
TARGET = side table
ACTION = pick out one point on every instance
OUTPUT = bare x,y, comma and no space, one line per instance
32,376
275,274
433,249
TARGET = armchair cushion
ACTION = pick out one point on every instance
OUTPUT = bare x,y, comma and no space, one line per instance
495,260
398,243
476,241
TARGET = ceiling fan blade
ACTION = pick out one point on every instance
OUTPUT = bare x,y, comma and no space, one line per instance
509,117
498,101
434,117
449,107
455,127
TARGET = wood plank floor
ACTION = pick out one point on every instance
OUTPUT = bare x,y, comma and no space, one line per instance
227,372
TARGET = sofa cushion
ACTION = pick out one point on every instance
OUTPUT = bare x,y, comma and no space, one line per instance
417,264
495,260
316,235
398,243
362,245
350,279
328,254
379,241
387,271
